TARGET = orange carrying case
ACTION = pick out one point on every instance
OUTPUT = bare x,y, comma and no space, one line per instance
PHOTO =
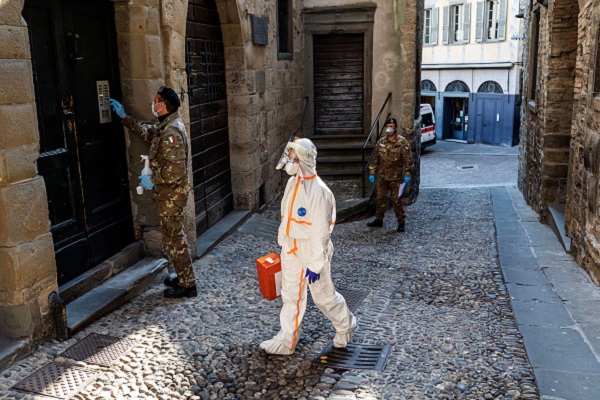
269,276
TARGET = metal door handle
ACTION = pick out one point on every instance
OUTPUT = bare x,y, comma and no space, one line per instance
74,56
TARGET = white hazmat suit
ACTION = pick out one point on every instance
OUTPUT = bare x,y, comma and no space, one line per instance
307,220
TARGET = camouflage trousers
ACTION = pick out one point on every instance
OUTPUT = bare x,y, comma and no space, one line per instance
175,243
382,189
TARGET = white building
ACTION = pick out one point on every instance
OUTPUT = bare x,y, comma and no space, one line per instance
471,69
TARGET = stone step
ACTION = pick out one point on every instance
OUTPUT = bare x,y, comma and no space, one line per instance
325,140
103,271
12,350
556,220
113,293
209,239
350,172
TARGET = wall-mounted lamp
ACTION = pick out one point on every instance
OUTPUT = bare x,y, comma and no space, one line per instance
521,14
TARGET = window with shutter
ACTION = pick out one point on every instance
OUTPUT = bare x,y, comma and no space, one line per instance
466,28
479,26
502,20
434,25
427,27
457,24
446,25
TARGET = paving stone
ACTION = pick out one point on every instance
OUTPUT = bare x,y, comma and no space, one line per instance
537,293
566,385
524,276
542,314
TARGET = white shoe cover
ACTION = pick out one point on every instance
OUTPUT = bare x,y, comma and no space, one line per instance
342,339
274,346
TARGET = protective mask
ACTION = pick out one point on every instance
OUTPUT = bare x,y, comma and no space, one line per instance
292,168
389,131
154,112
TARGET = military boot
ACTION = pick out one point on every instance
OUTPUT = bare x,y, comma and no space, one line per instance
400,227
177,292
376,223
171,281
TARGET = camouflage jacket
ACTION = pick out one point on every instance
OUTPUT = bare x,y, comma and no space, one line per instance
393,159
168,154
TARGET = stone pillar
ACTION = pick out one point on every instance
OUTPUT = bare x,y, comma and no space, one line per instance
27,263
152,51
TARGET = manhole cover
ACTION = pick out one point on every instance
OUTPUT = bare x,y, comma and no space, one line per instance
261,226
354,298
355,356
57,380
98,349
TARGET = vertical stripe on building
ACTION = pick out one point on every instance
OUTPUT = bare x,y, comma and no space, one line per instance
445,25
479,22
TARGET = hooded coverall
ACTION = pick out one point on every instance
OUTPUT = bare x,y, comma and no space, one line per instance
307,220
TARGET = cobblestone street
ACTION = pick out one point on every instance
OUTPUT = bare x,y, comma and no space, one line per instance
435,293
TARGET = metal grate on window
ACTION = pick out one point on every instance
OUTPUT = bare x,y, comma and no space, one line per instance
490,87
428,86
283,25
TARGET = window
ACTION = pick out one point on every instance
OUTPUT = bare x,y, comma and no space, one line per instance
490,87
457,87
597,71
491,21
284,30
430,27
428,86
533,54
427,27
457,23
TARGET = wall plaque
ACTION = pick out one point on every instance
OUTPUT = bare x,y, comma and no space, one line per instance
260,30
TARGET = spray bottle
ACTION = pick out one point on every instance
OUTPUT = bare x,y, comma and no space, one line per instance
145,172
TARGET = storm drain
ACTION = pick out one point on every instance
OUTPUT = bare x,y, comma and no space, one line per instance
98,349
61,381
467,167
355,356
354,298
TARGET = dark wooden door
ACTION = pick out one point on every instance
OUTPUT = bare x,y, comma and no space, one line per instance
339,84
82,149
208,114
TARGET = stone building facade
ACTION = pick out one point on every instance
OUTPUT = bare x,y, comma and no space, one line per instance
559,137
68,170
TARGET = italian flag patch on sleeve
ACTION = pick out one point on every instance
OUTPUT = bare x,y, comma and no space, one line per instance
171,139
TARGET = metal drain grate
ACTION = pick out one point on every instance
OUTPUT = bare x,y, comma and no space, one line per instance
355,356
57,380
354,298
99,349
467,167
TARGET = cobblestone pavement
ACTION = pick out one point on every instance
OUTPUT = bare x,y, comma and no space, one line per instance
436,295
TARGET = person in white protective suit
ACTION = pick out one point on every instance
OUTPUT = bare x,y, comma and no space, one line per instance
307,220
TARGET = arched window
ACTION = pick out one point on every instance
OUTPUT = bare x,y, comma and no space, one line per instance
490,87
427,86
457,86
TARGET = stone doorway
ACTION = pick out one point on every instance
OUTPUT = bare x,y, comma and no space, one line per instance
205,64
82,148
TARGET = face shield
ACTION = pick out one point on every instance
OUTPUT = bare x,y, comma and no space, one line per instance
305,151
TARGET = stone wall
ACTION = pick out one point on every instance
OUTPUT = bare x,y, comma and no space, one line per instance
546,120
27,265
582,214
265,98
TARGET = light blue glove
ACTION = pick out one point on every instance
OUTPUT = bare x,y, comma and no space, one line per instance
406,180
117,108
371,179
145,182
312,277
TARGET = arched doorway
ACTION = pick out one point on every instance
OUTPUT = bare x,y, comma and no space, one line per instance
205,59
456,110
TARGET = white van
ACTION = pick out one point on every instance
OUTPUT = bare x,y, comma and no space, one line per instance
428,134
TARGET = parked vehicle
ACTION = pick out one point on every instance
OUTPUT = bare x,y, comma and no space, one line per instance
428,134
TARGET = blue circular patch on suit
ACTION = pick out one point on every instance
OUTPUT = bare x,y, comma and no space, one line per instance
302,211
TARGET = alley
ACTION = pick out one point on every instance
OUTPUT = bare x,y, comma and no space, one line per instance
435,294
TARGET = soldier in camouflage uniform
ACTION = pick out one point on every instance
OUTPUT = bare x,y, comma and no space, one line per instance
169,162
394,160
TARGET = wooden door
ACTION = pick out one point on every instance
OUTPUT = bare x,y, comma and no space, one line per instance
82,149
339,84
208,114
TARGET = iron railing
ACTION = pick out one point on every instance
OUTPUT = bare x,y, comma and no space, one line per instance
375,125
